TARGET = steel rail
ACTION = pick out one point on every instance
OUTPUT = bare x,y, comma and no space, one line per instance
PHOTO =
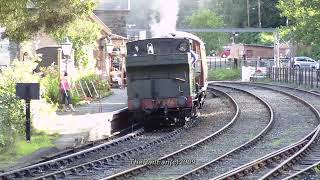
242,147
296,156
28,170
302,171
303,150
261,162
91,144
138,169
100,163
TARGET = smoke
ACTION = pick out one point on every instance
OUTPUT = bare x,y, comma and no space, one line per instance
164,18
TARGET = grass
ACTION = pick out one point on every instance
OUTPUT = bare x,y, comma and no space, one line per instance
10,155
224,74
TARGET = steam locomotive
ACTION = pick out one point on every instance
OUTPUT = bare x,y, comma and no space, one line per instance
166,79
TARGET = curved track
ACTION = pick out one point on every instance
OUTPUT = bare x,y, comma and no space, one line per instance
204,148
272,135
276,164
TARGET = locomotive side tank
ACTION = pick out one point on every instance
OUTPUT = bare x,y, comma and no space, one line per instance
166,79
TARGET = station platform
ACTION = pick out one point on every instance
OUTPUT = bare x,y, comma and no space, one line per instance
88,123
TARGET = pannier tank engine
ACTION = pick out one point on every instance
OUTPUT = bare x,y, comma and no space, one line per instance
166,79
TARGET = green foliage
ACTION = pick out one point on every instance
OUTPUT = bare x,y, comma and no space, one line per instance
208,19
102,86
187,8
21,148
83,34
12,115
24,18
315,51
234,12
38,141
50,84
256,38
224,74
304,21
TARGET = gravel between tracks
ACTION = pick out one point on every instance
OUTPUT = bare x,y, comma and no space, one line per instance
311,175
239,133
310,98
293,121
216,113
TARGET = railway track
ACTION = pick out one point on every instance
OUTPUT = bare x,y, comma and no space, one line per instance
298,157
129,144
303,162
90,168
288,162
184,138
204,148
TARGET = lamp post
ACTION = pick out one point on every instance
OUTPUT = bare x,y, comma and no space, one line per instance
108,50
66,47
123,52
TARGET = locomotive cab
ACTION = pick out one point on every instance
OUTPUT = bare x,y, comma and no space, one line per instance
166,79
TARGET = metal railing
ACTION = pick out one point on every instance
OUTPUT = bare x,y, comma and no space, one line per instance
299,76
227,63
85,89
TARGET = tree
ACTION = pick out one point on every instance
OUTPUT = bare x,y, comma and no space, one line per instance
270,14
304,16
304,22
256,38
234,12
83,34
187,8
209,19
23,18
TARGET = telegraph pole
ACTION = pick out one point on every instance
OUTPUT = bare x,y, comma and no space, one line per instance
248,12
259,12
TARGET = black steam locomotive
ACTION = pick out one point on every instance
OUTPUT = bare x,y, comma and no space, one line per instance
166,79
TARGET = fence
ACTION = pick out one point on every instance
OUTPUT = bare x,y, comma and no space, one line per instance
85,89
299,76
227,63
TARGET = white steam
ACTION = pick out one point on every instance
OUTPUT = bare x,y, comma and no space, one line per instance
164,20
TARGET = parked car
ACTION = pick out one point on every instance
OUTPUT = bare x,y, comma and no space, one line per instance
224,53
304,62
317,67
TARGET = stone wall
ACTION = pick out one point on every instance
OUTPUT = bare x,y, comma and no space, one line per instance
115,20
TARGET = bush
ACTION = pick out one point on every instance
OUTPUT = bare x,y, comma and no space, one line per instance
50,84
101,86
12,115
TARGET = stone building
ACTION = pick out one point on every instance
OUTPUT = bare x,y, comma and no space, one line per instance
114,13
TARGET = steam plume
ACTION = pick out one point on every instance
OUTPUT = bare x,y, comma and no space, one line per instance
164,20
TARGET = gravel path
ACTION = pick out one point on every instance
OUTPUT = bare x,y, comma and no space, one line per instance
236,135
216,113
288,128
